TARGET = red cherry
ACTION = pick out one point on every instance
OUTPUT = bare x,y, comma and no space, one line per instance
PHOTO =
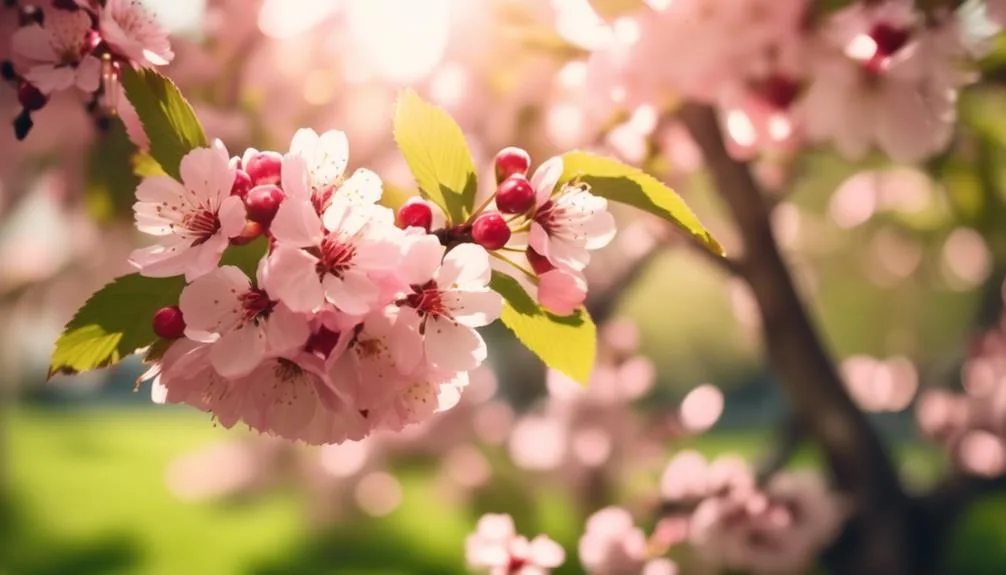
491,231
889,39
264,168
539,263
510,161
242,184
515,195
169,323
30,97
249,233
262,203
416,213
322,341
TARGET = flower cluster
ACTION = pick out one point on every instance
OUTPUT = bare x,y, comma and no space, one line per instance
80,44
352,323
877,73
496,548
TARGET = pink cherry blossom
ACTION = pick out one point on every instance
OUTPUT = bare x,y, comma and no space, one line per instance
496,548
57,53
896,91
340,258
421,398
449,298
243,324
314,170
568,222
194,218
185,375
562,292
995,10
612,544
134,34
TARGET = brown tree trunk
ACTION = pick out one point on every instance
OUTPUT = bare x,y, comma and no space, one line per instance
880,537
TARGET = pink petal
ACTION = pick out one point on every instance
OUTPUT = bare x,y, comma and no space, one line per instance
600,230
286,331
296,224
292,279
546,553
205,256
232,217
89,74
562,292
49,79
33,43
239,352
168,259
211,304
353,293
422,257
207,174
453,347
293,174
466,266
538,239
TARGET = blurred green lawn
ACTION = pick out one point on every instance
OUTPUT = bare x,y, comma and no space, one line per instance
88,495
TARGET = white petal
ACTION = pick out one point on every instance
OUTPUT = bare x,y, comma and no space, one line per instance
600,230
545,178
354,293
207,176
546,553
363,187
474,308
466,266
452,346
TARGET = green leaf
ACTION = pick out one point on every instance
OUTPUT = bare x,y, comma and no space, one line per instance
564,343
166,116
114,323
110,188
435,149
145,166
246,257
622,183
610,10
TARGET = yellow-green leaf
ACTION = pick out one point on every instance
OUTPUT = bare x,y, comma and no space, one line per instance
622,183
564,343
145,166
436,151
114,323
166,115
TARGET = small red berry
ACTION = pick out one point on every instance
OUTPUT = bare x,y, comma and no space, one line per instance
780,91
416,213
262,203
515,195
539,263
169,323
249,233
242,184
264,168
490,231
510,161
30,97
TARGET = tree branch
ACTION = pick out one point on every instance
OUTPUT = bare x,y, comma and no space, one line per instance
856,456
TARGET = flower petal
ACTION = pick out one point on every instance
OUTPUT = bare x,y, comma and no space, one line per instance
291,278
211,303
452,346
422,257
239,352
296,224
545,178
465,266
363,187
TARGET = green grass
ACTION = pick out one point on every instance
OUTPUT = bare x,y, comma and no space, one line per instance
90,496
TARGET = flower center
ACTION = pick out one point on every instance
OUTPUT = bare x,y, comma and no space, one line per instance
321,198
889,39
545,215
515,564
427,299
257,305
202,224
335,257
287,370
779,90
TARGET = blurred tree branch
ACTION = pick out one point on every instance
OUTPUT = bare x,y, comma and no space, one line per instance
879,540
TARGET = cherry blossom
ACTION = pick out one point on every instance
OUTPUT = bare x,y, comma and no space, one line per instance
314,170
341,258
242,323
496,549
612,544
562,292
883,76
193,218
57,54
131,32
567,223
449,297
